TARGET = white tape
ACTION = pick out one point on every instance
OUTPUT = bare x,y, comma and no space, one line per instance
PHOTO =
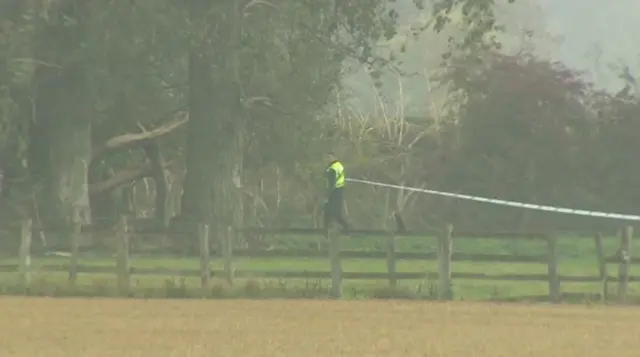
625,217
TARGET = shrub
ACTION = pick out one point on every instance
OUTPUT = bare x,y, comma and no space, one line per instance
252,288
387,292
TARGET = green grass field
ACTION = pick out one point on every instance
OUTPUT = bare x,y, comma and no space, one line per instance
577,257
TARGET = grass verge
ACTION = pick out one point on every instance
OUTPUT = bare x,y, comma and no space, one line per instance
147,287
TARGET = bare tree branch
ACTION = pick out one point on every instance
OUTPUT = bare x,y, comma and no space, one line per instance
121,178
128,140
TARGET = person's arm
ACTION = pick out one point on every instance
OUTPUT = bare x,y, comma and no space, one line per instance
331,179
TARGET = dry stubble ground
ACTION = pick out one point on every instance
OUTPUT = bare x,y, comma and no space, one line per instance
35,327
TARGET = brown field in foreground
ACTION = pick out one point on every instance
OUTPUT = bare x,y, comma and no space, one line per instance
33,327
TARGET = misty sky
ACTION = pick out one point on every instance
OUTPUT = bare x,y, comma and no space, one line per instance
579,30
587,24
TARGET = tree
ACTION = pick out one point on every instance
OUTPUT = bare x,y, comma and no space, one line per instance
519,125
92,98
293,39
60,137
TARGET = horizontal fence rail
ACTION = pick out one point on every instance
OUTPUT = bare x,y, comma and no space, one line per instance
444,255
309,274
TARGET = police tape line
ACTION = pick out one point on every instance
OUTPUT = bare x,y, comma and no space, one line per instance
626,217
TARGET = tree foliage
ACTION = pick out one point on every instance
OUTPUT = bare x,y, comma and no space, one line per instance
220,112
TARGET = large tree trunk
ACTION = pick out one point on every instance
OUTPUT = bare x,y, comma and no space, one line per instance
203,134
228,207
60,145
202,137
160,182
210,193
104,205
61,148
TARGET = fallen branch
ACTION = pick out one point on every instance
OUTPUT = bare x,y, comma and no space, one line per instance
128,140
126,176
121,178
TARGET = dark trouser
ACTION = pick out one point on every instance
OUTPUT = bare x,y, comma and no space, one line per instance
333,210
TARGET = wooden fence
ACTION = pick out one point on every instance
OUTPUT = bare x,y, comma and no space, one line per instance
444,256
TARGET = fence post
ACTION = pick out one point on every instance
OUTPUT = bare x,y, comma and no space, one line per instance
625,260
445,250
74,250
552,269
25,254
602,268
205,256
336,266
227,247
391,260
123,270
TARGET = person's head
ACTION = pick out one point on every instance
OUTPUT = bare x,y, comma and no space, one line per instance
330,156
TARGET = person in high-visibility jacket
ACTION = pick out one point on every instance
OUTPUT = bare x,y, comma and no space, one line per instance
333,206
